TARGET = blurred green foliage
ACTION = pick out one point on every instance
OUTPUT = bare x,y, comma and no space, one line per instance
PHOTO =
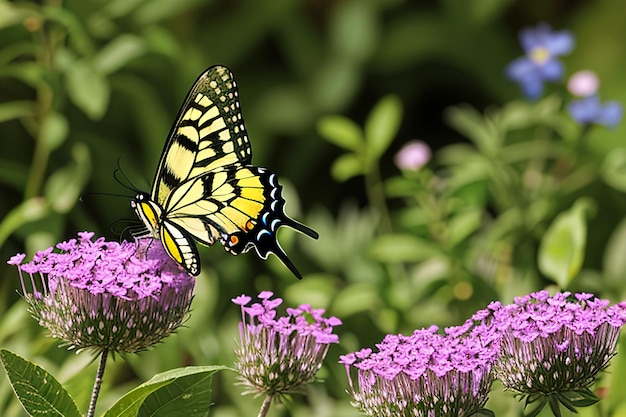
517,196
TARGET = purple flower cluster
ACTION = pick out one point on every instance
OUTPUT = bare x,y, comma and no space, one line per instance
106,295
424,374
548,348
554,343
279,355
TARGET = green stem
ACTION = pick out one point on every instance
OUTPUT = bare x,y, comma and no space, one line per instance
97,384
265,406
376,198
44,106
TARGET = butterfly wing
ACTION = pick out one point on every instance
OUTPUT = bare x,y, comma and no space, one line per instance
208,134
205,188
243,208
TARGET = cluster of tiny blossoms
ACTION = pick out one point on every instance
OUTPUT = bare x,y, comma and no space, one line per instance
122,297
424,374
554,343
279,355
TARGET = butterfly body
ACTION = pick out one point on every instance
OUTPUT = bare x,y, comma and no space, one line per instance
206,189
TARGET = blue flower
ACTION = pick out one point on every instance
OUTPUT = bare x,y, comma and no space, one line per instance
542,46
590,110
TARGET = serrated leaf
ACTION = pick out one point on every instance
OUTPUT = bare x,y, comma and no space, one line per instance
382,126
179,392
341,131
346,167
562,249
88,89
38,391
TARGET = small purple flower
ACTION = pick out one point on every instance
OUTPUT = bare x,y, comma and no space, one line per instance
590,110
276,356
424,374
554,345
542,46
413,155
99,294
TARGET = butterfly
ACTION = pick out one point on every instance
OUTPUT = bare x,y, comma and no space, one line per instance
206,188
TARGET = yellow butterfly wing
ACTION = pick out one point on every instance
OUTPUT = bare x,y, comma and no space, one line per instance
208,134
205,188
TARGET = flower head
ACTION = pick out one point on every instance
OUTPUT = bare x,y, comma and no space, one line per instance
279,355
542,46
413,155
121,297
424,374
590,110
551,345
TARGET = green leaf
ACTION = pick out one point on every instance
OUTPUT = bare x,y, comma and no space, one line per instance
346,167
54,130
382,126
463,224
537,406
579,398
554,405
28,211
614,262
614,169
118,53
79,38
402,248
479,129
562,249
179,392
88,89
37,390
16,109
341,131
354,30
65,185
483,412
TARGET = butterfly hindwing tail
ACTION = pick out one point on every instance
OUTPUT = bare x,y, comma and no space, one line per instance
263,235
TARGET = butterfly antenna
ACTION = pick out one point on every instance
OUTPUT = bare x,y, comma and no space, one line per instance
99,194
122,179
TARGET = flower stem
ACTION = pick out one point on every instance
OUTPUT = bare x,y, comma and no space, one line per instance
265,406
97,383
